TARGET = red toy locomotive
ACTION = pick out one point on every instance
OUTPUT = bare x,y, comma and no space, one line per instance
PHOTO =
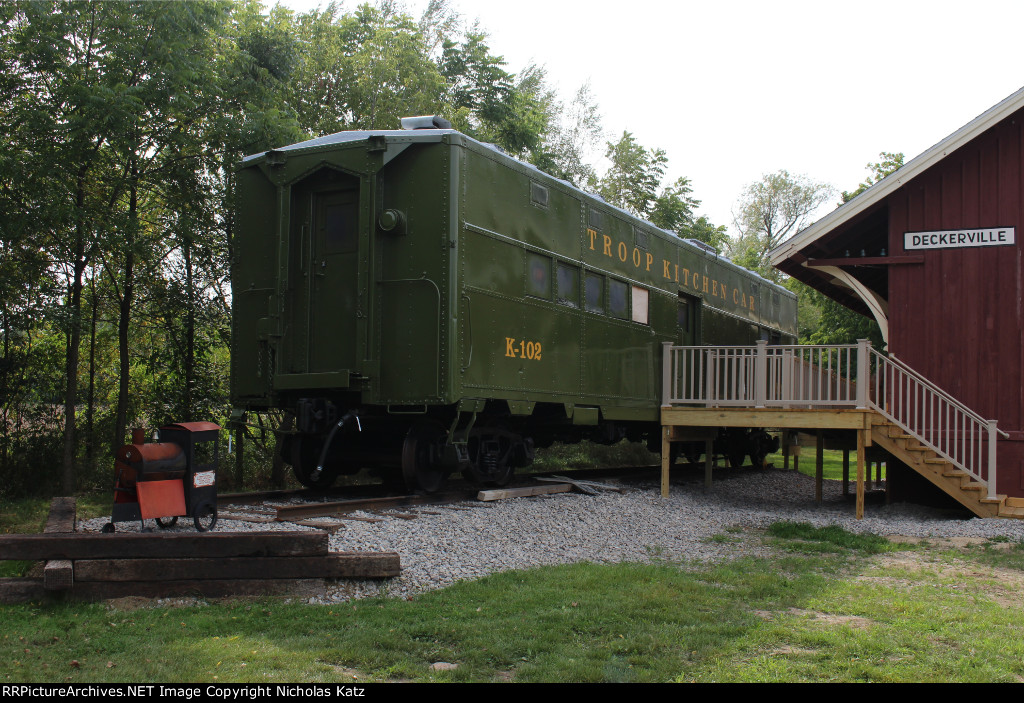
175,477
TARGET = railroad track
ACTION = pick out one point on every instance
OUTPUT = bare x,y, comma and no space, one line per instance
340,503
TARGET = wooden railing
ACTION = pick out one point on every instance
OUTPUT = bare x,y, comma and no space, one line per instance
820,376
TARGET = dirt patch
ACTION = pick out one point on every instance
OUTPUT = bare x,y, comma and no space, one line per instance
853,621
1004,586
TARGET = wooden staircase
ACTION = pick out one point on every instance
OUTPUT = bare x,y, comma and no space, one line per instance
958,484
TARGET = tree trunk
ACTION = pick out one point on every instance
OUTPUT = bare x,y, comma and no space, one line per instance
74,336
124,316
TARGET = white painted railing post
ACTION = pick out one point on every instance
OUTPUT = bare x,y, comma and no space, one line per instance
863,372
991,459
710,390
666,373
761,373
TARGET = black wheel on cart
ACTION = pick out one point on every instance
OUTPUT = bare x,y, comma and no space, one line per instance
205,517
108,528
166,522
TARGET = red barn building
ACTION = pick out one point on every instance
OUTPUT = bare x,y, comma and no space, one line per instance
933,252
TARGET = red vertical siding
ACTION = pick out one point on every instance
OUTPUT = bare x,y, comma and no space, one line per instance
958,317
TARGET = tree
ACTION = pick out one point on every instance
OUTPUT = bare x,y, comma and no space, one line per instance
890,162
770,211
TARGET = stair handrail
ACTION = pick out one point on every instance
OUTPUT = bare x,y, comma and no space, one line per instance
933,396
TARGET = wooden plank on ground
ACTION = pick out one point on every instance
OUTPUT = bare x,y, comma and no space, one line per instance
500,493
59,574
161,545
363,565
25,590
62,516
290,512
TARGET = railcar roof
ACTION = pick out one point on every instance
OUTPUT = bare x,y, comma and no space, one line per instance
433,135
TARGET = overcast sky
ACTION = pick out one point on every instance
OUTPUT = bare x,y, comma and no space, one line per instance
734,90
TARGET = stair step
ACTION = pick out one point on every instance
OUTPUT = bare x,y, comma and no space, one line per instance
917,448
974,486
935,460
1006,511
955,473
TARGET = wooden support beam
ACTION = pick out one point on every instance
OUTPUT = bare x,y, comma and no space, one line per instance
666,460
819,465
173,544
860,473
785,450
709,458
339,565
846,472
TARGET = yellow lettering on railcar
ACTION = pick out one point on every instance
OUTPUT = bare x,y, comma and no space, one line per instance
524,349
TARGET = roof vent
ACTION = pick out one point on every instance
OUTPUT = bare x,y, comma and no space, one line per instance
426,122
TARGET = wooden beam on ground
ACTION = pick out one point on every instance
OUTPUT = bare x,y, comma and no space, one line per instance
174,544
500,493
860,473
59,574
365,565
819,465
291,512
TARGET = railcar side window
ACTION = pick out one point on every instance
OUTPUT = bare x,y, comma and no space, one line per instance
538,194
618,299
640,303
596,219
568,282
640,237
595,293
538,279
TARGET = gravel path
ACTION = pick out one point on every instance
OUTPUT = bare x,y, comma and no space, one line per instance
474,539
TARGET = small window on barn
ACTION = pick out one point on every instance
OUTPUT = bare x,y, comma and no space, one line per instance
640,305
538,276
594,293
538,194
618,299
568,282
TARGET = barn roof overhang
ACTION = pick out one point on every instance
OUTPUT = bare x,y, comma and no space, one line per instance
844,254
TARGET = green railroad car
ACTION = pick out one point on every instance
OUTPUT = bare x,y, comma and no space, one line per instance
421,303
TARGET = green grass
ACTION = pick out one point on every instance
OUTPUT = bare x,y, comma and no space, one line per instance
857,609
831,463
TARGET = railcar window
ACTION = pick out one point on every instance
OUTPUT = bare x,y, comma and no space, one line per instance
618,299
596,219
640,304
538,194
594,293
342,234
640,237
538,279
568,282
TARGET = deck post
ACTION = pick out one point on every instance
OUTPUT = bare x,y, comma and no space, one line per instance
785,450
863,372
991,459
860,473
846,471
819,465
761,374
709,448
666,459
666,373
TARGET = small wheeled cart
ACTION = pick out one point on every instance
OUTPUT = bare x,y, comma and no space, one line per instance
175,477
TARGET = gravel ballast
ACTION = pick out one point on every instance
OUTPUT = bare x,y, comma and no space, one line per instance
469,540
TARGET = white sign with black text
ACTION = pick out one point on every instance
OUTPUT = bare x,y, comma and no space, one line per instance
959,238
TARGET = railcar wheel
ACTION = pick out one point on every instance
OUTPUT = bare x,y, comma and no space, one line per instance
491,456
165,523
205,517
421,456
736,459
304,453
107,528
